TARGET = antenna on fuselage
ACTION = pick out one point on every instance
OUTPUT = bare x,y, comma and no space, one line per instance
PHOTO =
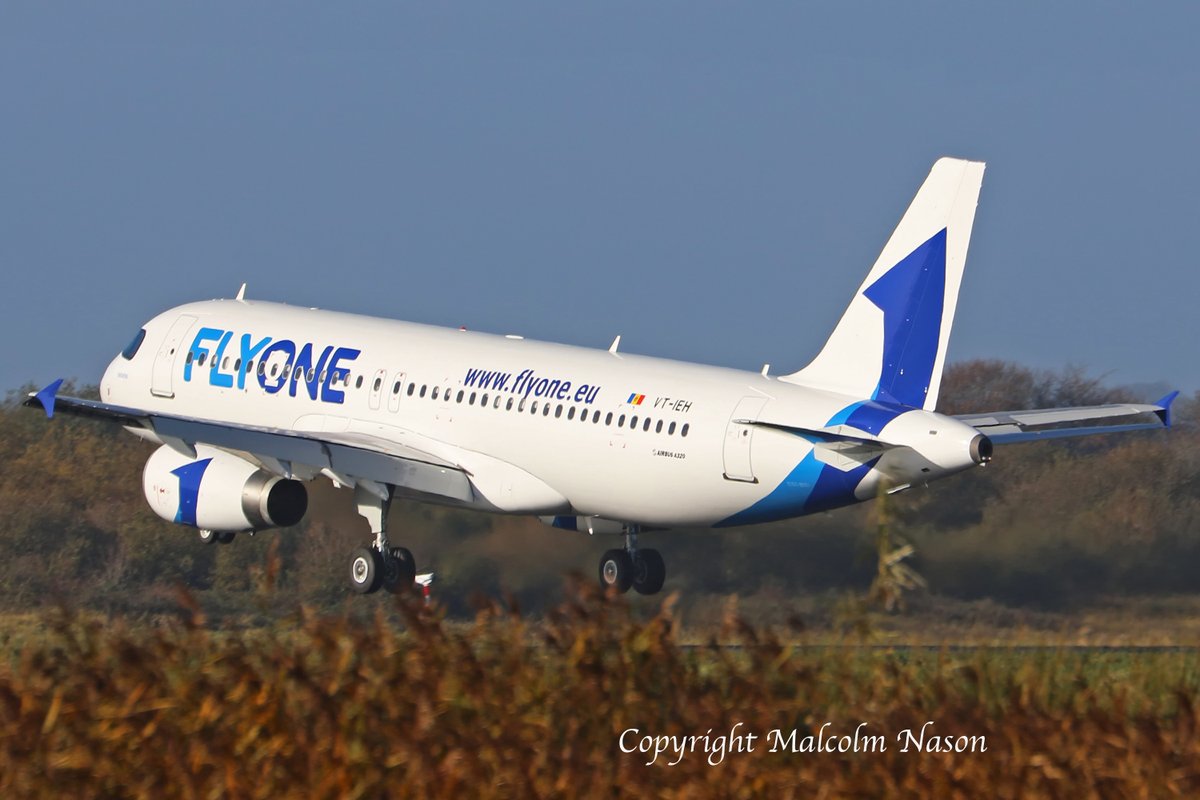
616,343
241,295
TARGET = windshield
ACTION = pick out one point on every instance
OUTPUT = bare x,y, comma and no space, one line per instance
131,349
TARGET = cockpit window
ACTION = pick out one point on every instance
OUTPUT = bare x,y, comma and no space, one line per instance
131,349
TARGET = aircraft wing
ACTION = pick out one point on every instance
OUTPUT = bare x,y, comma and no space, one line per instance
342,456
1006,427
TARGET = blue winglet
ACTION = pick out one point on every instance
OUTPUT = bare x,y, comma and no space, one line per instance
1165,405
46,397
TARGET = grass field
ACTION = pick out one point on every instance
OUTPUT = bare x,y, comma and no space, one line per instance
407,703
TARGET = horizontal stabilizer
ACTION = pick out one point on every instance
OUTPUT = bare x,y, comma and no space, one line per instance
1008,427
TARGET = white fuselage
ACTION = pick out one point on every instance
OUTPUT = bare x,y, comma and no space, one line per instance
539,428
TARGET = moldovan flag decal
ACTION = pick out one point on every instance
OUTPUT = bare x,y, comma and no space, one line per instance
636,399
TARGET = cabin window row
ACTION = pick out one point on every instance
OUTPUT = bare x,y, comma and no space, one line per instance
275,370
546,409
630,421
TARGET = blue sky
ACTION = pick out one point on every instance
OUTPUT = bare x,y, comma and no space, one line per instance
710,180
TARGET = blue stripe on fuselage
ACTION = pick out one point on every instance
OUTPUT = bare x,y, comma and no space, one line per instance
810,487
869,415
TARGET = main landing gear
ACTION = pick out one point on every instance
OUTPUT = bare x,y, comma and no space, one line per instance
643,570
379,565
224,537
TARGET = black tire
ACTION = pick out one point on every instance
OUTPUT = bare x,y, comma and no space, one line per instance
400,571
616,570
649,572
226,537
365,570
207,536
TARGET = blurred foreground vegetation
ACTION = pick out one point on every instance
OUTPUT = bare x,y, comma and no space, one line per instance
408,703
1063,528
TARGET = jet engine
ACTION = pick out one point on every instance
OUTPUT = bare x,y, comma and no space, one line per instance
218,491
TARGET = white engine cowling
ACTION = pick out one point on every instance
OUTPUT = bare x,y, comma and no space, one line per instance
218,491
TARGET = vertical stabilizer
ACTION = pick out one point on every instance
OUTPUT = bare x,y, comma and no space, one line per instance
890,344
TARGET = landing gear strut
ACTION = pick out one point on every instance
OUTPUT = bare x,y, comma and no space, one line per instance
379,565
643,570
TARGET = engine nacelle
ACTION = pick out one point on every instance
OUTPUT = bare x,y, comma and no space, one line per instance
218,491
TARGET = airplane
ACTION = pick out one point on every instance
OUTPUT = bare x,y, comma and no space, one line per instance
248,400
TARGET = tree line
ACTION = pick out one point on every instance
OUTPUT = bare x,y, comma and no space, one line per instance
1046,525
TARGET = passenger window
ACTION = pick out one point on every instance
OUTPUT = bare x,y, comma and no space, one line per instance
396,387
671,429
423,387
378,383
412,387
435,393
274,370
571,412
496,402
134,345
533,407
546,410
558,411
633,423
472,398
646,425
521,406
508,406
460,396
200,362
262,370
683,431
225,363
608,418
357,381
324,375
595,417
621,421
483,400
188,359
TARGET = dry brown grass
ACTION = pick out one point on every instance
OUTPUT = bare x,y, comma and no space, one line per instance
334,707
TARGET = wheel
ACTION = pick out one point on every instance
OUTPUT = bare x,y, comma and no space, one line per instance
365,570
649,572
226,537
399,570
207,536
616,570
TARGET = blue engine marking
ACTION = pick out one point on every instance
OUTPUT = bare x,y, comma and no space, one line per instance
189,490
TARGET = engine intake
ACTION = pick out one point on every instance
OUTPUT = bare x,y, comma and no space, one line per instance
219,491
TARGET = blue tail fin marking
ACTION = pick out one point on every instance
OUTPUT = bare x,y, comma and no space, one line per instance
911,295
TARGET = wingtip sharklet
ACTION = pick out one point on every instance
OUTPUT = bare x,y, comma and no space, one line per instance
1164,406
47,396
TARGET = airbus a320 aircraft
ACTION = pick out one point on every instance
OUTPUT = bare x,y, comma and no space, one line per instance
247,400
